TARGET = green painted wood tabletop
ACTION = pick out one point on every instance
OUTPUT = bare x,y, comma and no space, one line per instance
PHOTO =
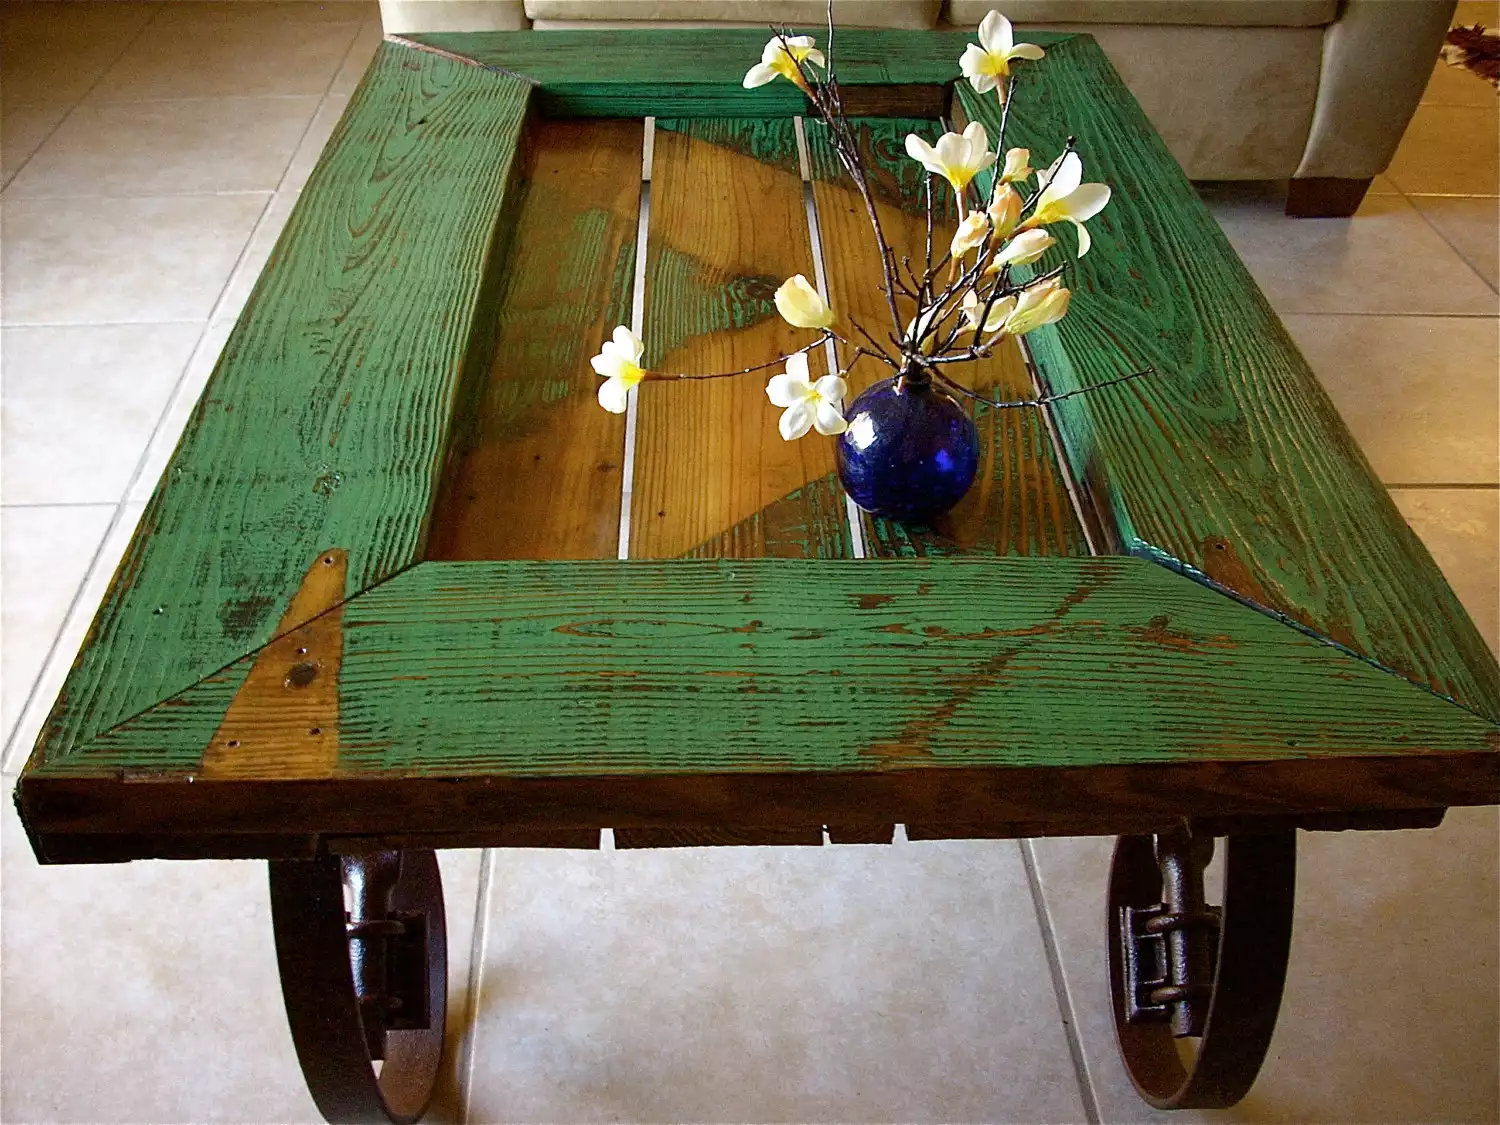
283,658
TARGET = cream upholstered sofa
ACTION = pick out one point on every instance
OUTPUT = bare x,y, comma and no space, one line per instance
1317,92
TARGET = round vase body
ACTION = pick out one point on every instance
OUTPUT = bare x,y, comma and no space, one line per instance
909,454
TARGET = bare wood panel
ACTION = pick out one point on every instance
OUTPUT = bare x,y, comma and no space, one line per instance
1019,504
284,720
535,468
712,474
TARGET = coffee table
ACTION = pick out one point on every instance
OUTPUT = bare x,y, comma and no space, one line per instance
404,586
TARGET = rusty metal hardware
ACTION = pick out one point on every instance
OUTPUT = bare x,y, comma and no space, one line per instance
1181,968
1170,948
364,984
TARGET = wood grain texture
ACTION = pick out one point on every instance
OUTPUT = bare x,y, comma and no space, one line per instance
1233,466
712,474
718,836
99,819
260,733
761,665
325,420
1019,502
664,72
534,467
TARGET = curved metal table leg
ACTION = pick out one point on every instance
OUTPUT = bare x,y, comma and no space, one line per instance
366,984
1179,967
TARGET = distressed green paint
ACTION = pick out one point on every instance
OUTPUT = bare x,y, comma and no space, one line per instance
324,422
773,665
704,299
665,72
811,521
1233,465
895,177
770,141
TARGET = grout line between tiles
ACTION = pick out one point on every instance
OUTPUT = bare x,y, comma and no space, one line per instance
94,85
30,700
7,505
477,945
322,102
1060,986
1448,241
121,506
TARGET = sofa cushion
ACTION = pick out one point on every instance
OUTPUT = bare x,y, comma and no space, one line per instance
800,13
1231,103
412,17
1202,13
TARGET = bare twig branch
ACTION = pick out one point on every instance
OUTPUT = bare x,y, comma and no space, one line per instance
1045,399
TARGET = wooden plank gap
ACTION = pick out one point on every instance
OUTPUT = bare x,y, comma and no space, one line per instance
820,268
637,325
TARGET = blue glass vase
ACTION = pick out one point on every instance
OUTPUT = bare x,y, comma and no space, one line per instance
910,452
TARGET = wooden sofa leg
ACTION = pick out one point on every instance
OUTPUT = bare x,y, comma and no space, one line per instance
1325,197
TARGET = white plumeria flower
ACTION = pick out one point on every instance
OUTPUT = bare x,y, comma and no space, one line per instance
801,306
986,64
1017,166
970,234
808,405
917,326
619,361
1005,210
957,157
1065,197
1022,250
781,59
973,306
1039,304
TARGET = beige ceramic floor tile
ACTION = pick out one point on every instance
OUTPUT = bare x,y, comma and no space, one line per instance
257,251
86,261
23,128
311,147
1456,85
195,14
1470,12
120,527
245,57
191,146
1471,226
1390,1012
901,983
45,554
1386,259
160,979
184,398
80,405
360,53
1461,527
1449,150
55,52
1419,393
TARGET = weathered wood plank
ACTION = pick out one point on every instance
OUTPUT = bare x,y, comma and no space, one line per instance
769,666
534,469
712,474
1019,503
324,423
667,72
729,835
1233,466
